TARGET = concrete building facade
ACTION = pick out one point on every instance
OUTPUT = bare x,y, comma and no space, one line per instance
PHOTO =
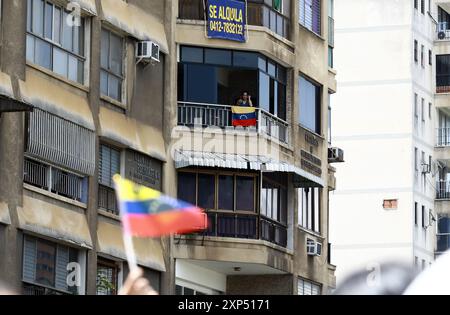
78,106
393,189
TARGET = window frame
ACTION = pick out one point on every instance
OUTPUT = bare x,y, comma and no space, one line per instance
416,51
121,77
309,218
317,106
116,270
54,45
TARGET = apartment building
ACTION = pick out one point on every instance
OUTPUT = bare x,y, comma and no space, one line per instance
80,102
385,208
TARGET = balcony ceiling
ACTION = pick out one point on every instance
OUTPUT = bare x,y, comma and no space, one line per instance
227,268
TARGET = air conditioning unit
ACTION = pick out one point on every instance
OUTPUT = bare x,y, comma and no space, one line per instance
313,248
441,35
426,168
335,155
147,50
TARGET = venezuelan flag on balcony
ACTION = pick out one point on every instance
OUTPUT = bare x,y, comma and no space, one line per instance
244,116
148,213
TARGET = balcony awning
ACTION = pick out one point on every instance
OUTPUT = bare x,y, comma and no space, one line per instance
7,101
4,214
135,21
301,178
44,218
149,252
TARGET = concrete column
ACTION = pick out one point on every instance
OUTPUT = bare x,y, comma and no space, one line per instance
12,138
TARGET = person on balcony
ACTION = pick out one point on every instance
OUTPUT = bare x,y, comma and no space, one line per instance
245,100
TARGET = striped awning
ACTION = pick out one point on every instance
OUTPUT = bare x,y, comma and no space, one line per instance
301,178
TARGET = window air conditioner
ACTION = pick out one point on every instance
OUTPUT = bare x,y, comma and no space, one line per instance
426,168
313,248
335,155
147,50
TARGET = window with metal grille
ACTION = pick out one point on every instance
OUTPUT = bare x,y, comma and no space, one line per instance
52,42
109,165
310,15
55,180
107,277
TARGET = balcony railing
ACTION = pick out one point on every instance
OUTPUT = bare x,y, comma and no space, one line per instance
246,226
443,137
442,31
443,242
53,179
220,116
443,190
107,199
442,83
259,14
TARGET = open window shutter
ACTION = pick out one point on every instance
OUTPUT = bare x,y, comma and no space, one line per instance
29,259
104,165
316,16
115,164
62,260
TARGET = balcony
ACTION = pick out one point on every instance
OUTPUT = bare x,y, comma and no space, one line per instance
443,190
259,14
442,83
208,115
443,242
246,226
443,137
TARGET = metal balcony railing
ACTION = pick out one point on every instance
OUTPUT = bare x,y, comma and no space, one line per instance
443,242
246,226
53,179
259,14
443,190
190,114
443,137
442,83
273,232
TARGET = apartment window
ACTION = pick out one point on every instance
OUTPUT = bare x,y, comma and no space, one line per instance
310,105
310,15
415,213
309,208
416,159
305,287
422,6
416,4
416,262
442,73
416,106
330,33
430,57
443,233
422,55
429,110
235,193
112,73
423,109
184,290
45,267
55,180
107,277
329,119
416,52
423,216
274,199
54,44
109,165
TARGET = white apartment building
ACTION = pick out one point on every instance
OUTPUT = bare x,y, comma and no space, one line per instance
385,118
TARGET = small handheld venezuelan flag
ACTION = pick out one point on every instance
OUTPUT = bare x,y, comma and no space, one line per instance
146,212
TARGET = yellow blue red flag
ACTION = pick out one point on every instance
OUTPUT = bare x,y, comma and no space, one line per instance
244,116
146,212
